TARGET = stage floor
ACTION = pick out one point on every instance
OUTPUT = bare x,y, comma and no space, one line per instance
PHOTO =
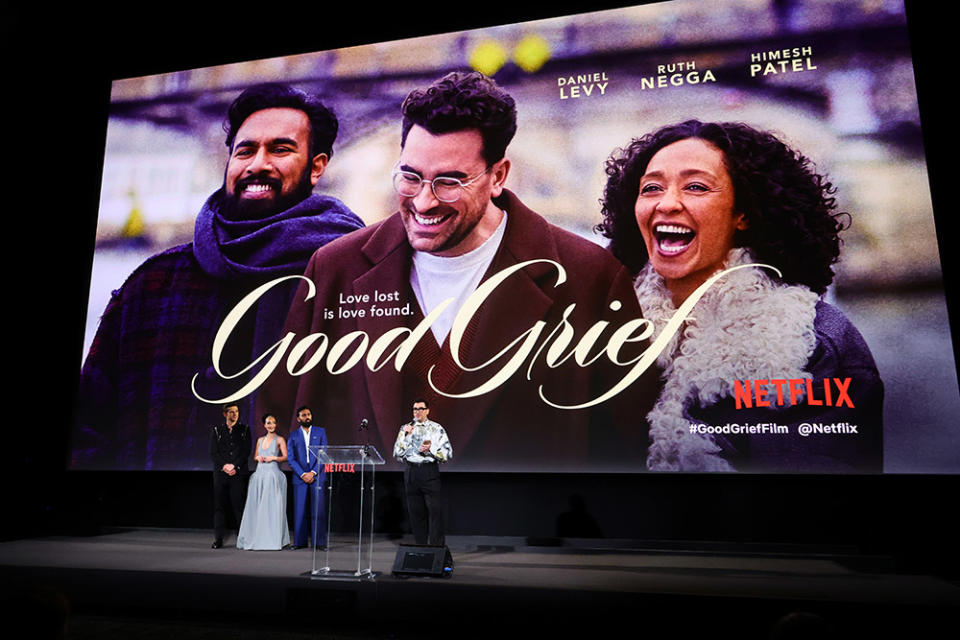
167,574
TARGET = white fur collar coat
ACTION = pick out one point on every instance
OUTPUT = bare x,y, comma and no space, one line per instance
746,326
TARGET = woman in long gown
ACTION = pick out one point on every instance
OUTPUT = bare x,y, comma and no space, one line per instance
264,526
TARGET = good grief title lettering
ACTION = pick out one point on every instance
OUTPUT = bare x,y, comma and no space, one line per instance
553,345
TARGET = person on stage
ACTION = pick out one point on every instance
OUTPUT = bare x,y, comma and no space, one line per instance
264,526
691,200
309,507
229,450
422,445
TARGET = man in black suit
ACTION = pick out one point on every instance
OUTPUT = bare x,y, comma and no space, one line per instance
229,451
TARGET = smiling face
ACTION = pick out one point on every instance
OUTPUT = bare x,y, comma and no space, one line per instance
685,211
270,424
450,228
270,168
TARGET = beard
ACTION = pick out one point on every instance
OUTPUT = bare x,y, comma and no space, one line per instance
233,207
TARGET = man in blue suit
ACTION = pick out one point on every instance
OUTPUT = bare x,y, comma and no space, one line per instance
309,508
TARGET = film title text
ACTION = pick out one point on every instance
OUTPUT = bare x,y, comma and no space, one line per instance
540,344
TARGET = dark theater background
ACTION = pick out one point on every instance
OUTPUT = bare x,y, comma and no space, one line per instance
679,553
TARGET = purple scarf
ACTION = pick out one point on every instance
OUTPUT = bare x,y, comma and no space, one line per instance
269,247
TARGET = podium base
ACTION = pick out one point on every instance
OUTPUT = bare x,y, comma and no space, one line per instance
341,574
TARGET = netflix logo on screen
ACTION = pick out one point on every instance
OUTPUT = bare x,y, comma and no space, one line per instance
829,392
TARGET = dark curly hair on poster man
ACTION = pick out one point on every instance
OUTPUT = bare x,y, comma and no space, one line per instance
460,101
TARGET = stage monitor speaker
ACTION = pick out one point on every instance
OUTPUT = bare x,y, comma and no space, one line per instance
422,560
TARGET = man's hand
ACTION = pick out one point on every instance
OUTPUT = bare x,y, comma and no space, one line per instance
425,447
408,428
229,469
309,477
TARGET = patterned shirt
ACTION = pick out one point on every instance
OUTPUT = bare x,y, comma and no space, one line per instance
407,447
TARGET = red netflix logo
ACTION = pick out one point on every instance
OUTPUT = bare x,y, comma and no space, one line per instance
748,393
338,466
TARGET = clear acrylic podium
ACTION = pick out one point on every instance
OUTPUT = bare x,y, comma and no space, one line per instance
361,461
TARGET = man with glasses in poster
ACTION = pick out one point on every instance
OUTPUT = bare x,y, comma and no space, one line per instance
458,226
422,446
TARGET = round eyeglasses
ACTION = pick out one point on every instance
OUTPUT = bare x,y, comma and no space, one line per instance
409,185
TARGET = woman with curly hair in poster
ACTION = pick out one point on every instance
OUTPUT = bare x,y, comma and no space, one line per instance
762,375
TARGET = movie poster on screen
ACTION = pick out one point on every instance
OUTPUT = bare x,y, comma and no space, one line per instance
576,352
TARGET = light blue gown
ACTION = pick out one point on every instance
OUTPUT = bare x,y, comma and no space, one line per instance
264,526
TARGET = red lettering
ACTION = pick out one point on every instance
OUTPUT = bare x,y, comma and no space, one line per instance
796,389
339,467
760,388
741,394
842,395
810,399
747,393
780,382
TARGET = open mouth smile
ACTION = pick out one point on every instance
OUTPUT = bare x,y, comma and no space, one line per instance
672,239
430,221
257,189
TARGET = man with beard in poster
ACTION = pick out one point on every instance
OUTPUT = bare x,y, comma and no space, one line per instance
457,226
136,409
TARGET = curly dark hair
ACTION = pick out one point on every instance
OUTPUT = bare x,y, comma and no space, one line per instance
460,101
789,207
323,123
